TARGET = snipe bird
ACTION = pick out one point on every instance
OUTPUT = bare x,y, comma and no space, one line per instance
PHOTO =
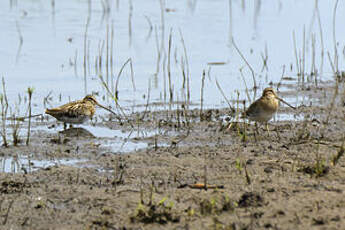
75,112
263,109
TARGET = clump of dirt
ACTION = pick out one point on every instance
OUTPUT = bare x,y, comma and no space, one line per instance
11,187
251,199
317,170
216,205
155,213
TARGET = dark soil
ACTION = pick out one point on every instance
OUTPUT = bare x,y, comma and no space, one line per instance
292,179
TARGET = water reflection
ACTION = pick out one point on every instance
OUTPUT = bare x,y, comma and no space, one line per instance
23,164
89,39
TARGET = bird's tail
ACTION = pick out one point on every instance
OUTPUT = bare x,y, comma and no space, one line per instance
51,111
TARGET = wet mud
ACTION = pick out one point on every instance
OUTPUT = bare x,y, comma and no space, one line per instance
209,173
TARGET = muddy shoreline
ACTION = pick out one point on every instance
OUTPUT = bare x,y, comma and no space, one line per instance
292,179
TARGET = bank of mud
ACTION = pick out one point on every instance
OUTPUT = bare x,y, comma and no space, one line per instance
292,179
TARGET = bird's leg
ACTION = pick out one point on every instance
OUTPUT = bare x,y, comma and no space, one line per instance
256,131
256,128
229,126
267,129
276,128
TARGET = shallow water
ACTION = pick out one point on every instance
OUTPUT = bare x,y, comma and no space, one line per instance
119,141
24,164
54,36
115,140
51,57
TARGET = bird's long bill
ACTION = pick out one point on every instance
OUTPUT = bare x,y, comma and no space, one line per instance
286,103
109,110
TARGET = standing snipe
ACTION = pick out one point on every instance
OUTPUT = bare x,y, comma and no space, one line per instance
263,109
75,112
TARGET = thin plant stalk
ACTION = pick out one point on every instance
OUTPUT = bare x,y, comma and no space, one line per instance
85,48
313,68
148,100
295,52
223,94
303,57
130,22
244,137
202,94
30,92
100,55
4,110
281,78
150,29
330,62
158,51
114,95
107,54
88,56
247,63
21,41
178,112
16,125
245,84
336,92
112,53
230,21
187,65
321,36
162,8
182,63
129,60
169,69
334,38
75,63
164,75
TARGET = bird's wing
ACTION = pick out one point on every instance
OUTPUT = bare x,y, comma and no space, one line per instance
253,109
71,109
81,109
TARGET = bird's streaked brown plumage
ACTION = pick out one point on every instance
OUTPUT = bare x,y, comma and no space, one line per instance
263,109
75,112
